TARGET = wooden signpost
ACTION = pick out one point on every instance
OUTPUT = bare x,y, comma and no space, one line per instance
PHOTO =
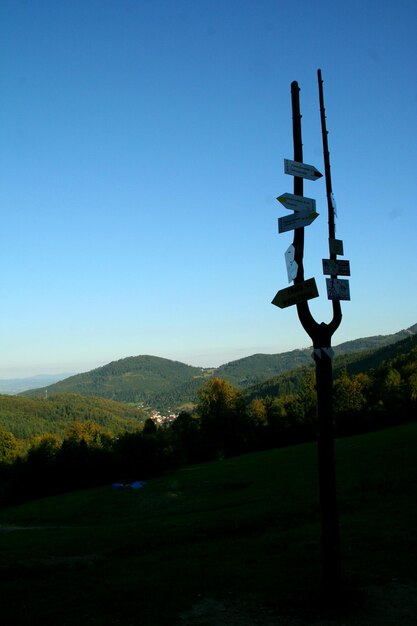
320,333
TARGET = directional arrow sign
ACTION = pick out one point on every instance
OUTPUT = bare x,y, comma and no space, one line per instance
296,220
336,268
302,170
292,266
297,203
296,294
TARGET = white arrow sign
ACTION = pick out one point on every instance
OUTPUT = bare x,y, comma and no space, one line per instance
302,170
296,220
297,203
292,266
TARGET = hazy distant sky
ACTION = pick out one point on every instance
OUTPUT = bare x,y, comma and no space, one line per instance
141,152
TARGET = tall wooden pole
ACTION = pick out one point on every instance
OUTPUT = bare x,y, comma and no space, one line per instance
331,561
321,336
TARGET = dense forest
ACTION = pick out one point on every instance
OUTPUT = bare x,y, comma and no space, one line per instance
27,417
103,441
353,362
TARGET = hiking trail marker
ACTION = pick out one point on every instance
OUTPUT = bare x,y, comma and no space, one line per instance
297,203
299,219
336,267
301,292
337,289
301,170
292,266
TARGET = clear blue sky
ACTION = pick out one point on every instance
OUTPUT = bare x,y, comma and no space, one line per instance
141,152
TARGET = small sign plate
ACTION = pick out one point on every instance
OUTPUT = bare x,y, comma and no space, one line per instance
336,246
337,289
292,266
336,268
320,353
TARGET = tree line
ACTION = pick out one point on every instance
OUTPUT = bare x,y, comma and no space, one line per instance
223,423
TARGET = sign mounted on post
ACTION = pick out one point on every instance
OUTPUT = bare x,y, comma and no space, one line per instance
320,353
304,212
302,170
297,203
336,268
296,294
300,219
292,266
336,246
337,289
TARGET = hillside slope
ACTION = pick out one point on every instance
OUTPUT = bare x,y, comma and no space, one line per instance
353,362
240,536
162,383
134,379
27,417
260,367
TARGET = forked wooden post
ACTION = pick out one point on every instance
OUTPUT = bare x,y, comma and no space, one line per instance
320,333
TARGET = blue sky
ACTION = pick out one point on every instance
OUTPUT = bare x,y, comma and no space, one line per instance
141,152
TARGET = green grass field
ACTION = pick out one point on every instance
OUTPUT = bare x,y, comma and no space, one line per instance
238,538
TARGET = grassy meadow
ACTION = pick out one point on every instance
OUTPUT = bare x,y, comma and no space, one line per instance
242,534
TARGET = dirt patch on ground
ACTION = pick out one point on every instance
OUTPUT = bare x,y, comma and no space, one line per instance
389,605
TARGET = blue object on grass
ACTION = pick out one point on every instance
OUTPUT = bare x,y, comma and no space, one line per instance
137,484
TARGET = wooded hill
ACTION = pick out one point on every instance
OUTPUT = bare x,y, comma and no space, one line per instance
145,380
99,442
351,362
29,417
162,383
258,368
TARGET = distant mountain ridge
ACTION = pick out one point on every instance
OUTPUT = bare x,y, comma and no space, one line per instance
11,386
161,383
354,362
259,367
